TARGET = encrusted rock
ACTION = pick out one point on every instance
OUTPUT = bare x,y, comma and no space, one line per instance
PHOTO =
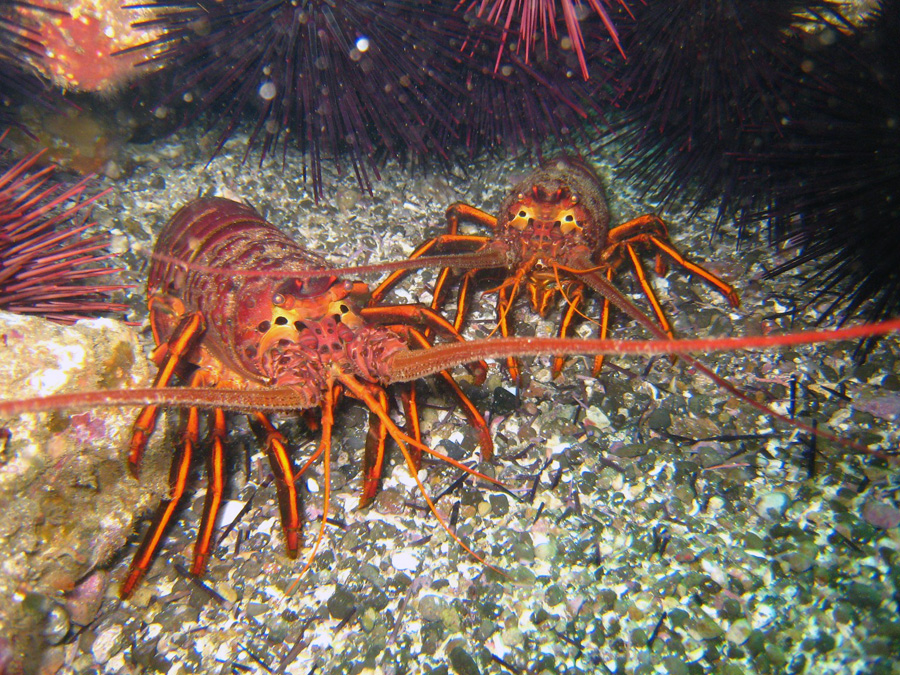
67,497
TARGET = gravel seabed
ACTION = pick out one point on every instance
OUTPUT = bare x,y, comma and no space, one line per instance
633,544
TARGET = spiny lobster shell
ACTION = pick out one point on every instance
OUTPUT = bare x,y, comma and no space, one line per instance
223,234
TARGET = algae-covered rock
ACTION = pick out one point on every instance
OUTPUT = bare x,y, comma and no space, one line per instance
68,499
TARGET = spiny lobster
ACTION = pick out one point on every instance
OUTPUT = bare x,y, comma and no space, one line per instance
552,235
303,341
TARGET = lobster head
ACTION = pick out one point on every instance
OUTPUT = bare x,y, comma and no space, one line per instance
311,329
560,206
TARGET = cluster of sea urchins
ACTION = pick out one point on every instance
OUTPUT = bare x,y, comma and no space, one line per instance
357,81
778,113
755,107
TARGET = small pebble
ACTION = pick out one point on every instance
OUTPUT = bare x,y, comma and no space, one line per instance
404,561
881,515
431,607
462,663
106,644
772,505
739,631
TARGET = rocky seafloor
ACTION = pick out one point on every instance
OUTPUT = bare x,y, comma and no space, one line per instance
653,523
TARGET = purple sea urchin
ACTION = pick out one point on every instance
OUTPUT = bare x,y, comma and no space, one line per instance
837,170
342,77
43,267
706,86
357,81
18,43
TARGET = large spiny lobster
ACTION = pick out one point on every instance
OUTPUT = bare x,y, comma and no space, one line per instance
304,341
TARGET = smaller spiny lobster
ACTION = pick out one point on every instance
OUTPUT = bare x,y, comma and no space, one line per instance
552,235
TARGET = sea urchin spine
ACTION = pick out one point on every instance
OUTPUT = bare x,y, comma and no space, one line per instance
529,15
42,266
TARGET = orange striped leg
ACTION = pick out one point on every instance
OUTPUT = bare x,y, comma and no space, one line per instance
440,242
651,230
455,213
574,301
373,459
189,330
409,397
178,476
463,299
288,498
723,288
335,396
475,417
648,291
215,476
504,307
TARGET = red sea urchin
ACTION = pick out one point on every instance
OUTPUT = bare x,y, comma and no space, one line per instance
72,43
518,106
43,266
523,18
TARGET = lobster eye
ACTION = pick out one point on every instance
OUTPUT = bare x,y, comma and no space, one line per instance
568,223
521,219
278,299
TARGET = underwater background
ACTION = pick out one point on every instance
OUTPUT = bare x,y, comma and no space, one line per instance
653,523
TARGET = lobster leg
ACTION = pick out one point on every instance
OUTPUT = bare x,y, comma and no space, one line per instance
649,292
178,477
184,338
439,242
506,297
288,497
603,330
215,472
475,417
455,213
410,399
575,300
335,397
723,288
364,393
463,298
373,459
651,230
